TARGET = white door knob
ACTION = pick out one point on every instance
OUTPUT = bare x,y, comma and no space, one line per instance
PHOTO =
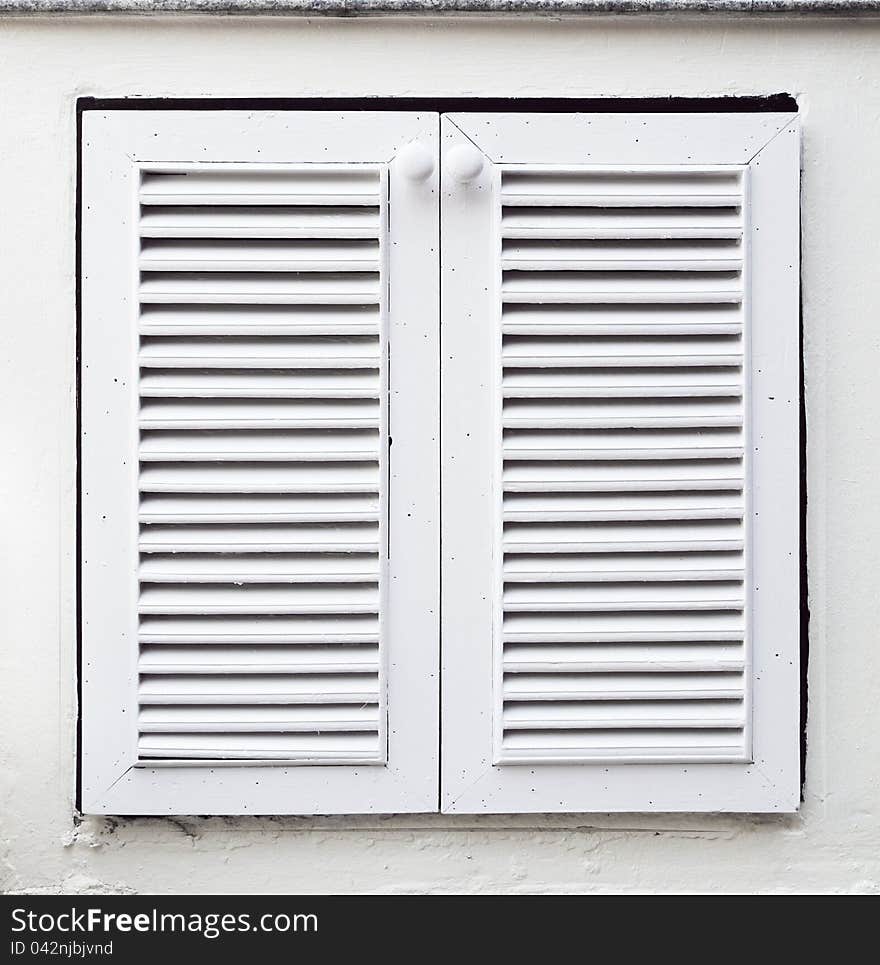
416,161
465,162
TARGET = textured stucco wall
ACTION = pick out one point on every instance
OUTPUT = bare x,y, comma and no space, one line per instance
370,7
832,68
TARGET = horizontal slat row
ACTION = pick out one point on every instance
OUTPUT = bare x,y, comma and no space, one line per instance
262,458
621,605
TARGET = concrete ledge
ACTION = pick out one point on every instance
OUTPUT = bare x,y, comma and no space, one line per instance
848,8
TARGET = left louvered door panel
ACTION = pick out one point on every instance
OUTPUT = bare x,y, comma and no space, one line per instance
283,565
262,347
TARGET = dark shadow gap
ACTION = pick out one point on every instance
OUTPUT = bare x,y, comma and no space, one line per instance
781,102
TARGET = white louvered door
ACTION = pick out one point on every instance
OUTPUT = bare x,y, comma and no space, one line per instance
262,357
620,422
260,543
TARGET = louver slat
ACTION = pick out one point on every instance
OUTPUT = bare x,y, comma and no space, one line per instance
262,465
621,604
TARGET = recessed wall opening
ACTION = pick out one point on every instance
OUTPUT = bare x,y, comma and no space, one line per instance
726,272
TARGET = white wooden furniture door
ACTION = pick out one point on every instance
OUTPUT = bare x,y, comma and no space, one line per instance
620,462
260,523
263,357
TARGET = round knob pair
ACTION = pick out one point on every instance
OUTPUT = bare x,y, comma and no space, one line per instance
417,162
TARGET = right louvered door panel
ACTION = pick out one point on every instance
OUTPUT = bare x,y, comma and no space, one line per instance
621,623
263,479
620,533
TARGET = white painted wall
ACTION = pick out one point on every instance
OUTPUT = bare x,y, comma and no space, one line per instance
833,69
